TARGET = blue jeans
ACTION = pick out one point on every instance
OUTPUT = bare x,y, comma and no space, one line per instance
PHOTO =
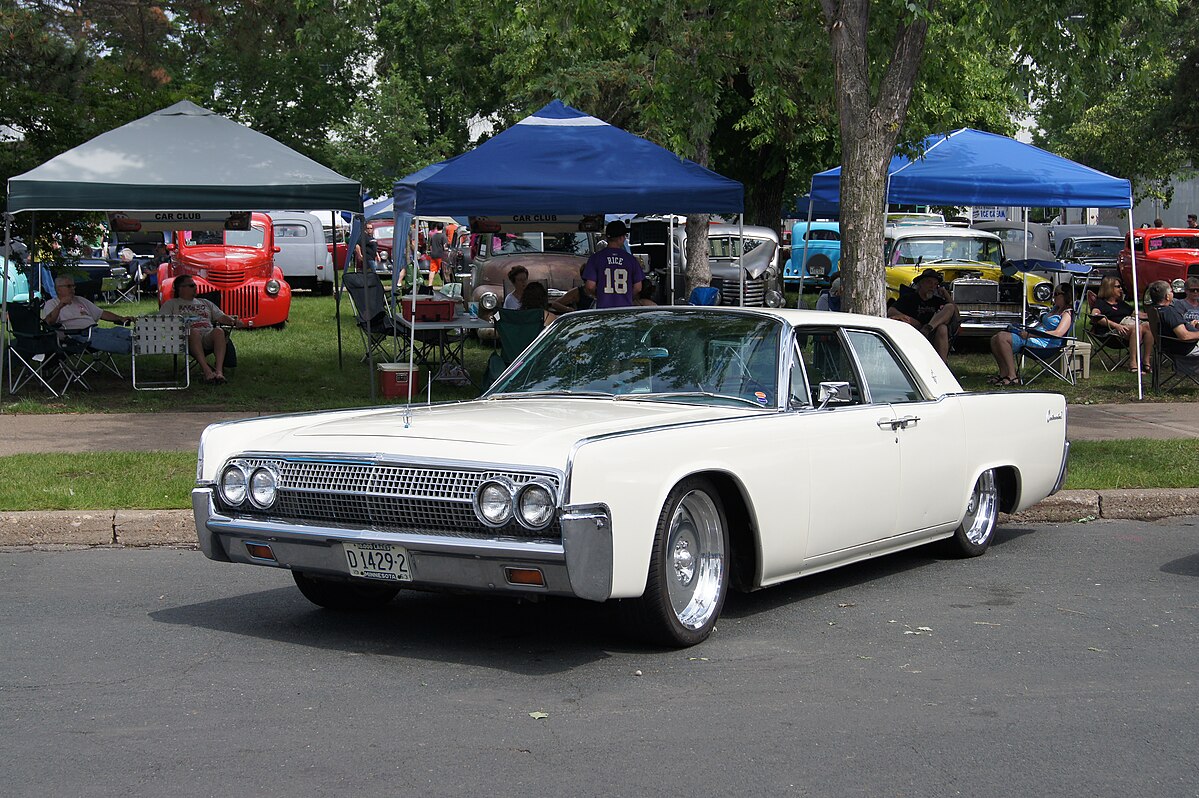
118,340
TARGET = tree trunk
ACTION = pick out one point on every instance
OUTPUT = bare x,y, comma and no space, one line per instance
869,130
699,272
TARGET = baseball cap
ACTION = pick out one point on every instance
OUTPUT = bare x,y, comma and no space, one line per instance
616,228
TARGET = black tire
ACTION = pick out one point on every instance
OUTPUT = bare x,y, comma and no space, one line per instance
324,288
973,536
689,568
343,594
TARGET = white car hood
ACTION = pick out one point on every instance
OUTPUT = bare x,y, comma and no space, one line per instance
529,431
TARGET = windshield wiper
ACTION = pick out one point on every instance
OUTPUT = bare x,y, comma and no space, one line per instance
686,394
526,394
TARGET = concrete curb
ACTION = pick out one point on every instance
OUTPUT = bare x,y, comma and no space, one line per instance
135,528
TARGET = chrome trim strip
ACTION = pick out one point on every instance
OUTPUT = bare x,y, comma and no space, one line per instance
208,518
1062,471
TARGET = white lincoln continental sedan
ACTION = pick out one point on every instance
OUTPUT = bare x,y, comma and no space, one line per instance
658,456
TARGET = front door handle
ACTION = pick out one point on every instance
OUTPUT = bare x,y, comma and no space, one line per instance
889,424
907,421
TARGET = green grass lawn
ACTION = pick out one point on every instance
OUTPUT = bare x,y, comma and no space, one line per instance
163,480
297,368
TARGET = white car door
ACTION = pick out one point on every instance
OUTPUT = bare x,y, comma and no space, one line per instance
932,453
853,451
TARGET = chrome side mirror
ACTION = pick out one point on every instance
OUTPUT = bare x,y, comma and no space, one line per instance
833,393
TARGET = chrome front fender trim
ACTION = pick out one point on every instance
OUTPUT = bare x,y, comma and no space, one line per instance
1061,474
587,539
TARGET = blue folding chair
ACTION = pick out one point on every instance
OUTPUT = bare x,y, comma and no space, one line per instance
704,295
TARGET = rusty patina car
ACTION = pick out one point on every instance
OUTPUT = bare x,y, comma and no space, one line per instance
554,259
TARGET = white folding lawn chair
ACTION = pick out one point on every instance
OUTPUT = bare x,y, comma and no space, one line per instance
161,336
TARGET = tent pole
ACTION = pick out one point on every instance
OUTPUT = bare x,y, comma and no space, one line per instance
1023,284
8,217
670,255
803,263
741,257
1136,302
336,286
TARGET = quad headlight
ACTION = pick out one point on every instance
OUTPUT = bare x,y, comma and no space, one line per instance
234,484
535,505
493,502
264,486
498,501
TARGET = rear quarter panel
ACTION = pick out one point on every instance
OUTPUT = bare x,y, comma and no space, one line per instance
1023,430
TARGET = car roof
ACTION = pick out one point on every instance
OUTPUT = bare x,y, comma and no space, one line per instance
912,231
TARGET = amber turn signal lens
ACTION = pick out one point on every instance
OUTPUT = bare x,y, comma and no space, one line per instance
261,551
525,576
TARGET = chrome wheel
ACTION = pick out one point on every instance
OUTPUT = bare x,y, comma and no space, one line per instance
695,552
974,535
688,569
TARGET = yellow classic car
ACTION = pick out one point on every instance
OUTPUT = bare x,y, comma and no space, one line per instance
987,295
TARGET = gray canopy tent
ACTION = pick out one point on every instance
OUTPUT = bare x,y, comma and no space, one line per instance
181,158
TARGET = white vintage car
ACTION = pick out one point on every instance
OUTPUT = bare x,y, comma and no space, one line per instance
654,455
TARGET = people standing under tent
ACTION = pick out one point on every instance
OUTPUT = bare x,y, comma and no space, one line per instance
519,277
437,249
1192,221
370,250
612,275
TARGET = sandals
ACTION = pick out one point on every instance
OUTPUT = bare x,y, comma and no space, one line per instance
1004,382
995,379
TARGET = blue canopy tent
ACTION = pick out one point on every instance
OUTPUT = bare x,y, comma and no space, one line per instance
560,160
970,167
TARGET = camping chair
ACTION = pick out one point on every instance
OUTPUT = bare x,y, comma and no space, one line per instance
157,335
1109,347
35,353
127,283
230,348
375,324
1056,359
84,357
704,295
516,329
1182,368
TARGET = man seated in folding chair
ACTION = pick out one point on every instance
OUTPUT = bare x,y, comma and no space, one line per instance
1113,327
203,334
1179,335
1043,343
77,319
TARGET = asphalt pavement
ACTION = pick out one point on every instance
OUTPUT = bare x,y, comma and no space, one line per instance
180,431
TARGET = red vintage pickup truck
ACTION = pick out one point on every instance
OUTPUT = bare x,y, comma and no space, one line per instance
1163,253
238,266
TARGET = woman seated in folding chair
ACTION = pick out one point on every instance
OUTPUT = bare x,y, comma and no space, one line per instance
1055,325
203,334
1113,316
77,318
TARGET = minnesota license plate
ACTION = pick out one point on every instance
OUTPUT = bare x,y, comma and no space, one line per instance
378,561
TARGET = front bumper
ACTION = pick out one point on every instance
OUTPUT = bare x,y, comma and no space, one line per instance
580,565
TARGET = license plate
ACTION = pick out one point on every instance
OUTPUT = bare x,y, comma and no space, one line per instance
378,561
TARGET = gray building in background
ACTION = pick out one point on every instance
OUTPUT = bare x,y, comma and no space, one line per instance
1186,200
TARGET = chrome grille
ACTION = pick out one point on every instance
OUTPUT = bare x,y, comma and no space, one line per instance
387,496
755,292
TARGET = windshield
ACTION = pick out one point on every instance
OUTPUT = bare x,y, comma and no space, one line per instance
384,231
673,355
254,237
935,249
725,247
1098,247
1174,242
516,243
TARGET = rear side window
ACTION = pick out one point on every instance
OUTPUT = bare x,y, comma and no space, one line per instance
291,231
885,375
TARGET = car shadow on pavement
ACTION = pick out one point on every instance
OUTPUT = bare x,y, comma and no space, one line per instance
530,638
1183,566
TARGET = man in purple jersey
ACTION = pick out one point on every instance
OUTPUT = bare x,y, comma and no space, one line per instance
613,276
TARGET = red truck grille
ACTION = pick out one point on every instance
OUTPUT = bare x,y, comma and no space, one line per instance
241,302
227,279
